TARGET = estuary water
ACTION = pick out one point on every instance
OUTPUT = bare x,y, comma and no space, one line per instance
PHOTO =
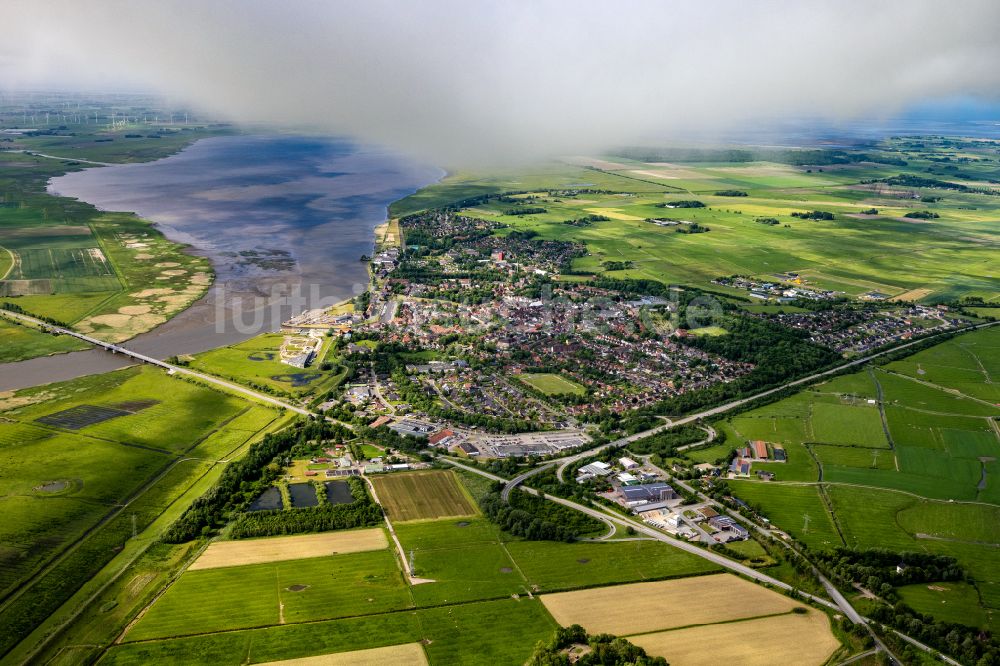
284,220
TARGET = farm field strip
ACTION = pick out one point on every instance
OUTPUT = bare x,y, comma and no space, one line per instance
646,607
407,654
275,549
792,638
423,495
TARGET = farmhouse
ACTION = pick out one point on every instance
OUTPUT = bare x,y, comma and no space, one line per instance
759,449
739,467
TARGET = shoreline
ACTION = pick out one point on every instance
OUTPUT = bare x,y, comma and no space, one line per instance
185,328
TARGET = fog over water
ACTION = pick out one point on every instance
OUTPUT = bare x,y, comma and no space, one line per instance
306,206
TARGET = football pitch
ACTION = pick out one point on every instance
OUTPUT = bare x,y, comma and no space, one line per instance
551,384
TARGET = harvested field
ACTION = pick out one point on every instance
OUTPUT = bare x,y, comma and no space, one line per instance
423,495
645,607
913,295
257,551
613,213
784,639
410,654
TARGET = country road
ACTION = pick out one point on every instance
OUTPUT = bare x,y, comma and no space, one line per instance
643,529
170,368
839,603
34,153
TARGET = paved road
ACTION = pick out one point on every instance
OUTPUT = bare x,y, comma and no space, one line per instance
647,531
169,367
840,603
65,159
520,478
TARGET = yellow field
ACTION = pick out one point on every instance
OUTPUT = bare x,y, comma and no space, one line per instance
257,551
644,607
409,654
613,213
422,495
913,295
783,639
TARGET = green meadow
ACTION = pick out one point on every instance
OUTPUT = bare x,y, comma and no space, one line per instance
74,490
941,260
551,384
257,362
475,578
453,634
322,588
932,486
18,342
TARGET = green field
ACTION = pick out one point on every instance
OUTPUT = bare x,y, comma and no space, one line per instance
257,362
951,258
908,497
18,342
64,478
464,634
951,602
210,600
471,571
551,384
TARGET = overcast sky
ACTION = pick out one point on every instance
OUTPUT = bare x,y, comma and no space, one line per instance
475,80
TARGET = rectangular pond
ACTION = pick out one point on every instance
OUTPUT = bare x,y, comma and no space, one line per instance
269,500
338,492
303,495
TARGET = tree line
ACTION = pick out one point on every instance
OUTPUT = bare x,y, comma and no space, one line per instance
535,519
605,650
245,479
362,512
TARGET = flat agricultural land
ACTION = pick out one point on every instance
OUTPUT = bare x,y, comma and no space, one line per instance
281,592
551,384
408,654
18,342
932,485
503,631
423,495
792,638
645,607
76,452
276,549
944,260
321,606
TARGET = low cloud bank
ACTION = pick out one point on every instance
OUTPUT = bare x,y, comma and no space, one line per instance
464,83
